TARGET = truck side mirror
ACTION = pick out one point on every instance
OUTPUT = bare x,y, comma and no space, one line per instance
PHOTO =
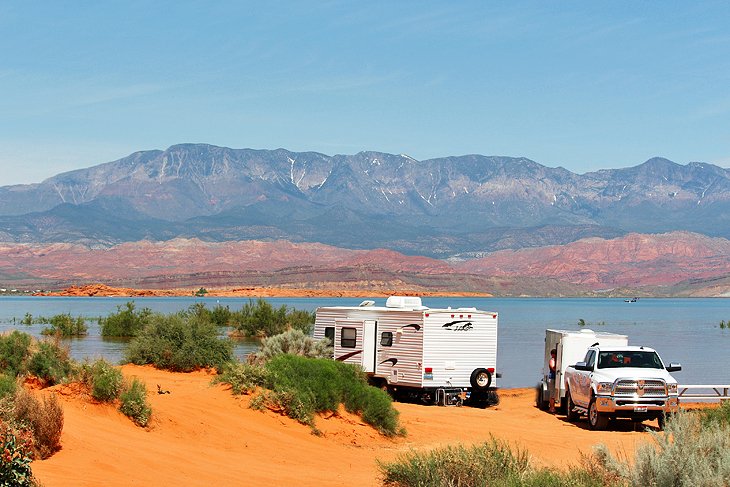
674,367
582,366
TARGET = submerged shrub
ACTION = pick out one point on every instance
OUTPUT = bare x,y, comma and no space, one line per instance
293,342
50,363
126,322
14,352
66,326
134,402
180,342
16,454
263,320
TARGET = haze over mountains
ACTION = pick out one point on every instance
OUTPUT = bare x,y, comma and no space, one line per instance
447,208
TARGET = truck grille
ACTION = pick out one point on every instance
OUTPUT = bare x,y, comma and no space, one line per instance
640,388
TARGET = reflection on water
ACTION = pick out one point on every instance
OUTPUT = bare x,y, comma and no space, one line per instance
681,330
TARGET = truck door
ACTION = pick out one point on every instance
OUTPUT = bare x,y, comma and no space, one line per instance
369,342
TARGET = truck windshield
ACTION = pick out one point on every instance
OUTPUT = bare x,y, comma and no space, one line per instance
641,359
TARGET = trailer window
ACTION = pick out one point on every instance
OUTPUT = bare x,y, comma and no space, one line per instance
329,332
348,337
386,339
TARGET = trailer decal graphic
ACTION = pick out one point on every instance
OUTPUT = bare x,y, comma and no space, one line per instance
414,326
393,361
348,355
456,326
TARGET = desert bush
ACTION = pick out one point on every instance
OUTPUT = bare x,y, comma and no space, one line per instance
8,385
134,402
27,319
50,363
293,342
14,352
305,386
16,453
719,416
126,322
221,315
688,452
106,381
263,320
243,378
66,326
44,418
180,342
490,464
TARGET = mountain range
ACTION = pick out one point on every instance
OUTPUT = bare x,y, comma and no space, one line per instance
484,216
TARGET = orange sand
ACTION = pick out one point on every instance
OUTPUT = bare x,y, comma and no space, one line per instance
203,435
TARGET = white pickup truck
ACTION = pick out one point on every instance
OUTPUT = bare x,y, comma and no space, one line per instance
620,382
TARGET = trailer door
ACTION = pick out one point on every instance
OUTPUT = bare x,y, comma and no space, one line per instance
369,342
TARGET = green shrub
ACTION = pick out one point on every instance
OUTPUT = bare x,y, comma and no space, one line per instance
44,418
243,378
134,402
27,319
293,342
50,363
126,322
719,415
8,385
106,381
221,315
14,352
263,320
180,342
66,326
16,453
304,386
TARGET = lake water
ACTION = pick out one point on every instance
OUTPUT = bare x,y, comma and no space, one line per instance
681,330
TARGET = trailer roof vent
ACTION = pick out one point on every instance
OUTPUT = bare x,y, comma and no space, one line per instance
367,302
403,302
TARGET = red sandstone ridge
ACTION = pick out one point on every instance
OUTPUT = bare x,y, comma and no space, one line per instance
630,261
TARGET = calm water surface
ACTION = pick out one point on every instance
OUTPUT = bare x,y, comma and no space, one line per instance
682,330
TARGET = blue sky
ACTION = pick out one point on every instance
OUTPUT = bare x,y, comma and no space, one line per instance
583,85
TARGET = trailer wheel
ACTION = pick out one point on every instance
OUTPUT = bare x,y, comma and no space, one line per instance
540,401
481,379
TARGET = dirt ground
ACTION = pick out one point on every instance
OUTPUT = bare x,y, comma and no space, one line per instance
203,435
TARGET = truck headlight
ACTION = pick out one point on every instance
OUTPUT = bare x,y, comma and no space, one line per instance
604,387
672,388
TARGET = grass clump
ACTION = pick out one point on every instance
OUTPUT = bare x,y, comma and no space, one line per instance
301,387
261,319
126,322
42,417
65,325
134,402
180,342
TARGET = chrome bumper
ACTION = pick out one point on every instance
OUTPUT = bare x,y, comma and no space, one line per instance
609,404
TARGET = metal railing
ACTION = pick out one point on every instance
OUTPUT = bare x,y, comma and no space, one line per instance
705,392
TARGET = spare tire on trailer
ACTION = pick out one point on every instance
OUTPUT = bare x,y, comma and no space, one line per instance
481,379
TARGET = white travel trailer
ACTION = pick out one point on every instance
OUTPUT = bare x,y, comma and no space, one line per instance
441,356
571,347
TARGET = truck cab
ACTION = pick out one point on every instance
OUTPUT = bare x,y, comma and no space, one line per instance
621,382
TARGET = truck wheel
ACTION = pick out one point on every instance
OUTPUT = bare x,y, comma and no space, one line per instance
662,420
570,414
481,379
596,420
